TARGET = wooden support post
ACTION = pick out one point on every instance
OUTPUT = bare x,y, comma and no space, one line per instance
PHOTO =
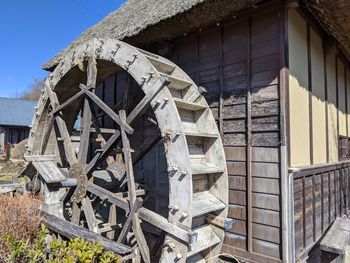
52,204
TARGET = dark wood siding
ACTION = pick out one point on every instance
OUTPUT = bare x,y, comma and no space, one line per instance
14,135
239,65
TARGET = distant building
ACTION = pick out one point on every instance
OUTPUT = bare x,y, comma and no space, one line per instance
15,118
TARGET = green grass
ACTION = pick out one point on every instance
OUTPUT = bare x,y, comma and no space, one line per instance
5,178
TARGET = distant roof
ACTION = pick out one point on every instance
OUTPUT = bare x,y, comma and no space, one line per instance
140,22
16,112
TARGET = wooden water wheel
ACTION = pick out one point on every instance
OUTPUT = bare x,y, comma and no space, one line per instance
155,179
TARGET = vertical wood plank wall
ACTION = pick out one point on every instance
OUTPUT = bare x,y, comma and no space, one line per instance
318,102
239,63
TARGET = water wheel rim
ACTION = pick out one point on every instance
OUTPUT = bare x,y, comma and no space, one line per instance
165,104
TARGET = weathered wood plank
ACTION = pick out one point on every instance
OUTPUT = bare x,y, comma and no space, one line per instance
71,230
337,237
62,127
137,111
7,188
100,103
89,215
144,213
49,171
68,102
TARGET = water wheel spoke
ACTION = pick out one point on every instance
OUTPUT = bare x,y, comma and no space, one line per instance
76,212
112,221
135,203
138,110
143,105
117,107
106,148
47,133
89,214
128,162
85,136
62,127
68,195
100,103
127,224
145,148
110,160
127,92
140,238
68,102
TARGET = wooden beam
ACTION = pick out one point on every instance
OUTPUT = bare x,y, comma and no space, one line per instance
146,148
145,214
47,132
68,102
224,223
103,151
139,109
127,223
142,106
110,160
134,202
89,215
85,136
109,196
62,127
100,103
71,230
128,162
76,211
7,188
337,237
112,221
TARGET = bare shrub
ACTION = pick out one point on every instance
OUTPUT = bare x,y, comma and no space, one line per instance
19,217
33,91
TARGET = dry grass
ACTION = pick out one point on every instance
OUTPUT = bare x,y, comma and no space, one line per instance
19,217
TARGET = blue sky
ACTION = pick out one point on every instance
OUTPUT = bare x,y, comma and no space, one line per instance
31,32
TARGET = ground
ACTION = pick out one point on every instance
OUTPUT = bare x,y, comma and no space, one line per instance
9,169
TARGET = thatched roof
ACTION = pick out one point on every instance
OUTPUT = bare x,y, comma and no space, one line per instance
157,19
334,16
143,21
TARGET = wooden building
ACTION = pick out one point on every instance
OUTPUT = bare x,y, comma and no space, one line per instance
278,81
15,119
